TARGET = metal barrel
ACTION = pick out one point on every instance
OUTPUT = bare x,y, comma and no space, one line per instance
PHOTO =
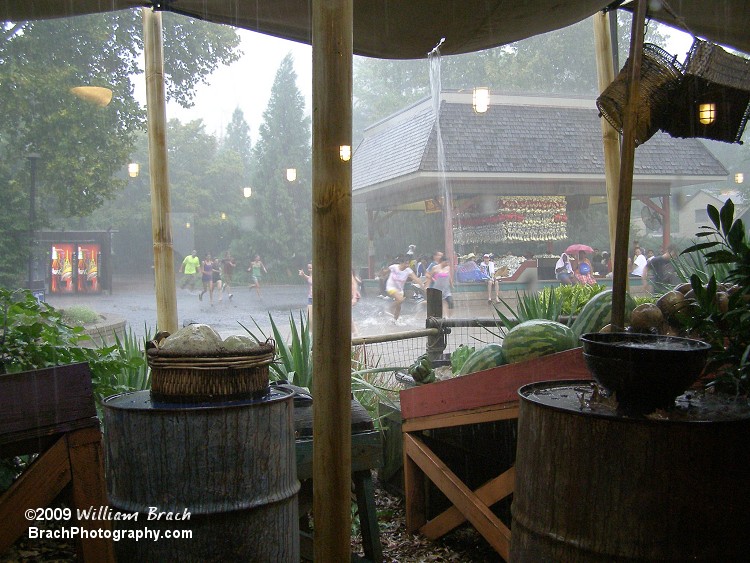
595,486
223,474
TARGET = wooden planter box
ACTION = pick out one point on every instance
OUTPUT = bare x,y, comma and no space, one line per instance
454,431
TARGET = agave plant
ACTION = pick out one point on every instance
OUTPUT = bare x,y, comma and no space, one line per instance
294,363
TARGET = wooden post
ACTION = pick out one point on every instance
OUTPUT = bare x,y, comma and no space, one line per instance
605,72
332,41
666,227
370,244
625,192
166,297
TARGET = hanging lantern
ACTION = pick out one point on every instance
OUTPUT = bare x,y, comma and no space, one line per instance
345,152
480,100
134,169
739,178
291,174
707,113
247,192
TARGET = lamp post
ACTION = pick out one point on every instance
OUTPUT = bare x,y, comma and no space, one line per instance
32,157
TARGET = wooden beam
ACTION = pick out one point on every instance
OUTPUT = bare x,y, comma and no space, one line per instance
491,492
476,512
605,71
332,40
505,411
161,229
625,192
37,487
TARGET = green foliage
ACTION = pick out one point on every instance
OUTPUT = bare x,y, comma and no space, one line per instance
78,315
134,373
294,363
459,357
572,298
725,244
530,306
278,219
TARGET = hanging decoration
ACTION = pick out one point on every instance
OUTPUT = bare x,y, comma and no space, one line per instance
516,218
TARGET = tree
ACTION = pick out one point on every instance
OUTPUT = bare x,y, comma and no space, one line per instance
82,146
280,220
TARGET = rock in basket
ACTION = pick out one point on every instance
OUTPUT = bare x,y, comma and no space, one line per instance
181,378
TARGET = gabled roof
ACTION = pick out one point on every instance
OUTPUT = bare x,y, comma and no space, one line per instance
521,144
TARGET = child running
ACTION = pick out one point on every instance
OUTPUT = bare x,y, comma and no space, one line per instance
400,272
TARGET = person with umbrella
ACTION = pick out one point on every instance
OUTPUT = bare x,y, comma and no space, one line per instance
584,271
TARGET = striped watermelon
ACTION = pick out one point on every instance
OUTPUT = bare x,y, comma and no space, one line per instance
485,358
597,313
531,339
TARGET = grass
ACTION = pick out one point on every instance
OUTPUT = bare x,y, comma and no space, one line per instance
78,315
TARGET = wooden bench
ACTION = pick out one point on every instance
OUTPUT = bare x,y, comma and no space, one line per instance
366,455
52,411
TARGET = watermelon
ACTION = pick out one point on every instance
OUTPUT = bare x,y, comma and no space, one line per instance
539,337
597,313
487,357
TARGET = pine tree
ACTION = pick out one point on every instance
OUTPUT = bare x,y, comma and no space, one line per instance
280,208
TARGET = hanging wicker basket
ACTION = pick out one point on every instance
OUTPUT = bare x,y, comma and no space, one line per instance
712,76
184,378
660,73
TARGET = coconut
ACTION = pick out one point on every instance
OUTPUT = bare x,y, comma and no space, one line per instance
670,303
193,340
646,317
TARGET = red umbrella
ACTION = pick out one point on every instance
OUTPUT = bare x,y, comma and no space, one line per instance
576,248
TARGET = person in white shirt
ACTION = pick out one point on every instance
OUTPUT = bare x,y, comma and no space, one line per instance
394,287
487,267
639,263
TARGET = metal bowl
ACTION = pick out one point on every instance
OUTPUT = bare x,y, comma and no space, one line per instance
644,371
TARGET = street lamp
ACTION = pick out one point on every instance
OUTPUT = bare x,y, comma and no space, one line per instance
134,169
33,158
291,174
247,192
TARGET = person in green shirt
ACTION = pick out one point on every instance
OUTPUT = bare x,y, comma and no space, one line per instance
189,268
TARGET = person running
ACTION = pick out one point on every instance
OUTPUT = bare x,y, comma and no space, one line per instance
256,269
227,272
309,280
400,272
189,268
207,277
443,280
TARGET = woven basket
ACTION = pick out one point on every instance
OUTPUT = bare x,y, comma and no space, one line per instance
193,379
712,75
660,73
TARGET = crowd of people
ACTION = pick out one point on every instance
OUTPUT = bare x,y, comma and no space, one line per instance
643,263
216,275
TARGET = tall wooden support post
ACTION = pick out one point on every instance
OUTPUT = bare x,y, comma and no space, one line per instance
166,297
370,244
605,72
435,344
666,227
627,159
332,43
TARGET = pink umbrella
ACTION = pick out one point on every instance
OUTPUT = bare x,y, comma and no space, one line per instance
576,248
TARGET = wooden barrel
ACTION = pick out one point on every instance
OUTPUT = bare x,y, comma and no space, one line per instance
231,466
592,485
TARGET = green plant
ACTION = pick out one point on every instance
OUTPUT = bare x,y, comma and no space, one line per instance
134,374
78,315
294,362
725,323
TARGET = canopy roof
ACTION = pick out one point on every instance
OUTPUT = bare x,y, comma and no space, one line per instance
522,145
409,29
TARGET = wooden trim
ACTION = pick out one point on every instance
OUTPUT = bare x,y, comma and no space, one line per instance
493,413
490,387
489,493
476,512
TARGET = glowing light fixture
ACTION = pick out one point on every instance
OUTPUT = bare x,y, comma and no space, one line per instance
291,174
480,100
739,178
247,192
187,225
134,169
345,152
93,94
223,216
707,113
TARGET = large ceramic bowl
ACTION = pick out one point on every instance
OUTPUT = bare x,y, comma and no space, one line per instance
644,371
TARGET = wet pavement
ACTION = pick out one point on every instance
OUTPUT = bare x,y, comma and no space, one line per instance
134,300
